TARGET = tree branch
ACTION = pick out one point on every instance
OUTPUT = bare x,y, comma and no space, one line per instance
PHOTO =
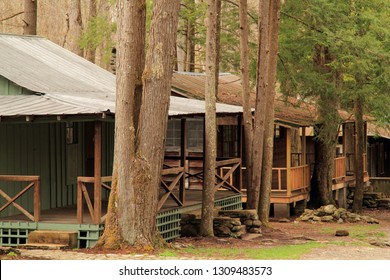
9,17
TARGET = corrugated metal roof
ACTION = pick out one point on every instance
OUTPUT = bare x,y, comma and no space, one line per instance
192,85
378,131
68,83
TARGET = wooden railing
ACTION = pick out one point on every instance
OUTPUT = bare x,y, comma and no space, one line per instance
280,179
170,178
300,177
82,192
290,179
33,184
339,170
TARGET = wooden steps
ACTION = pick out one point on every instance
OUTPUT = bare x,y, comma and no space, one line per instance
51,239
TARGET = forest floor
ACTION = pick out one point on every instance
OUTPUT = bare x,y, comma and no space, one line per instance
283,240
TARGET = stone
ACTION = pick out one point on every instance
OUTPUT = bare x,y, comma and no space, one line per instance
256,223
316,218
329,209
326,218
284,220
306,218
255,230
380,243
342,232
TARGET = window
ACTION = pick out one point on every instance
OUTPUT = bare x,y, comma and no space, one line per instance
195,134
173,134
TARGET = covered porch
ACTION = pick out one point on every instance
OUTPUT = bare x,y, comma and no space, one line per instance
57,198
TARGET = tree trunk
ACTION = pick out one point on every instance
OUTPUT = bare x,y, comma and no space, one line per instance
190,46
120,228
30,17
324,166
266,177
261,93
210,153
90,54
246,101
74,28
357,205
153,122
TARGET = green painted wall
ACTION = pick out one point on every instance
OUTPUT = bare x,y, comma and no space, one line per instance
9,88
42,149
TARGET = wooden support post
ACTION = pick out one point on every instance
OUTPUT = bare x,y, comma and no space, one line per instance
304,151
288,159
80,207
344,140
183,159
37,201
238,182
98,173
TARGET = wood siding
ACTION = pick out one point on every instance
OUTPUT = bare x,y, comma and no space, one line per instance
41,149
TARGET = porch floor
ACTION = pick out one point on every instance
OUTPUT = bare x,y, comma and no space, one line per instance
68,215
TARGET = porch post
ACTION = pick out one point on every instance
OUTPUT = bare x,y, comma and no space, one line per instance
304,146
238,182
288,159
183,159
97,173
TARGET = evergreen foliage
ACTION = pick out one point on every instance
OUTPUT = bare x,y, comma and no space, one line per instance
355,37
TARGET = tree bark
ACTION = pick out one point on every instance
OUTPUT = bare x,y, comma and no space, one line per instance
90,54
30,17
261,93
210,153
246,100
121,228
266,177
74,28
357,205
157,78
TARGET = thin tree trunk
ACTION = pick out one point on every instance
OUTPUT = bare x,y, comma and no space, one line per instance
261,93
266,177
120,230
75,28
246,100
30,17
210,153
357,205
90,54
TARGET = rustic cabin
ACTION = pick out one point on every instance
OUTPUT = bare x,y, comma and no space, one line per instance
291,171
378,157
294,146
57,115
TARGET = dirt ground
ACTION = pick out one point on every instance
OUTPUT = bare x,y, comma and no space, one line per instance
365,242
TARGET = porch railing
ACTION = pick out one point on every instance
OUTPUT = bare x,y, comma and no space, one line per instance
82,193
289,180
33,183
170,179
340,168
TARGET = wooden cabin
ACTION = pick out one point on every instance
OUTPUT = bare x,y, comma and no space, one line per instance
291,171
378,157
57,113
294,152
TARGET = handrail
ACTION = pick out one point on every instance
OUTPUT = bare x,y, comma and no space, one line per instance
83,193
34,183
340,170
299,178
169,187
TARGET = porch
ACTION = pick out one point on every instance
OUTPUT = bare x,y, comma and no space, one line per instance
87,217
